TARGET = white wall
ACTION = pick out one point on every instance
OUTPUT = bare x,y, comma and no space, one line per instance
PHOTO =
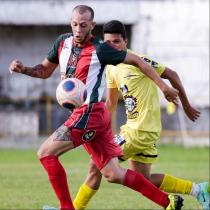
19,123
176,33
52,12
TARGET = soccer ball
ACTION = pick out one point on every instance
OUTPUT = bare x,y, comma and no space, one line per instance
71,93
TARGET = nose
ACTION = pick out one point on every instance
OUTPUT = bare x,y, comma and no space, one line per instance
78,28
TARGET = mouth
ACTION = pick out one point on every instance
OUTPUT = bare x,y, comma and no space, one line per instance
78,38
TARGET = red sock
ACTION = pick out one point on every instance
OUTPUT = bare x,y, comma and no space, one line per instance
138,182
58,180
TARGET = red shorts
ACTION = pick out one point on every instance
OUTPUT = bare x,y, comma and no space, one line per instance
91,126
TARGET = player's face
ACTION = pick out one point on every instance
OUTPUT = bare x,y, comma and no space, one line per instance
116,40
82,26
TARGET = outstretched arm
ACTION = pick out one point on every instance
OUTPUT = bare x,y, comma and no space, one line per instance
169,92
43,70
175,81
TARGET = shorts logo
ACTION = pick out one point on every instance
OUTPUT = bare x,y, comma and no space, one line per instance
118,139
89,135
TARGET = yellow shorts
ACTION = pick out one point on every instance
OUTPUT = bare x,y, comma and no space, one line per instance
138,145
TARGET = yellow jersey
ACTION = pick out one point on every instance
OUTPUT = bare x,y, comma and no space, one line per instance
139,92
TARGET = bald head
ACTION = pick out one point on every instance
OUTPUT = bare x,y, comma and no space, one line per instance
81,9
82,23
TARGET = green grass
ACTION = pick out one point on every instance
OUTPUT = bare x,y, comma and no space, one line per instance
24,183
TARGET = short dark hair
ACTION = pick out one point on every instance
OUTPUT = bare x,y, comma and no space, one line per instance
115,27
83,8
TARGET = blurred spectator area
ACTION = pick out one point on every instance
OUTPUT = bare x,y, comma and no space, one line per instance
172,32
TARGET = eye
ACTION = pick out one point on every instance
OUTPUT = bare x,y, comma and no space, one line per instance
116,41
83,25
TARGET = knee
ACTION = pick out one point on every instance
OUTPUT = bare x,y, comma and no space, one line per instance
43,151
40,153
93,179
113,177
94,173
147,176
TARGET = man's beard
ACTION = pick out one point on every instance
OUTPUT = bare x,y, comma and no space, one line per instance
85,37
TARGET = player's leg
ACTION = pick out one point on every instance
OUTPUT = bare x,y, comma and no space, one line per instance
168,183
165,182
58,143
88,188
116,174
173,184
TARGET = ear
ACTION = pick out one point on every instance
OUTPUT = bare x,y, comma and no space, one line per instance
126,42
93,24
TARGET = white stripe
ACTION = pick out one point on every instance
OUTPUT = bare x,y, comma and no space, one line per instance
65,53
92,78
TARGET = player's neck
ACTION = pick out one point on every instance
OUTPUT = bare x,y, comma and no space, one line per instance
85,42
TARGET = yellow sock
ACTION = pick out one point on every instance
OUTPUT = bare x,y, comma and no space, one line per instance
172,184
83,196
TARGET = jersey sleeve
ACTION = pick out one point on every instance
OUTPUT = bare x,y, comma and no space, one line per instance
110,81
159,68
53,55
109,55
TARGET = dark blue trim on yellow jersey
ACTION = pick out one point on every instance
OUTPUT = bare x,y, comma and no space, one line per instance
151,156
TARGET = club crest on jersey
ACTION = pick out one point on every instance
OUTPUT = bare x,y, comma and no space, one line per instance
89,135
130,103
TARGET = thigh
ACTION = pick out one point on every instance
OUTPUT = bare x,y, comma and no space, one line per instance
139,146
103,148
59,142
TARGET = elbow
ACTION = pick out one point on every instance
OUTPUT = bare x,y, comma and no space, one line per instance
170,75
46,76
175,76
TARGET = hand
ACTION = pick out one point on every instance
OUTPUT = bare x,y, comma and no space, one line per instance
16,66
171,94
192,113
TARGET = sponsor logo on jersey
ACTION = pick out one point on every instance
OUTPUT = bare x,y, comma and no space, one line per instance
124,89
129,75
89,135
151,62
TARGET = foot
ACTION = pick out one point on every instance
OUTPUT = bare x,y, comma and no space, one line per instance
176,202
203,195
48,208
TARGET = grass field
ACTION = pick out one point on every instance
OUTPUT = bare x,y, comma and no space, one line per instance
24,184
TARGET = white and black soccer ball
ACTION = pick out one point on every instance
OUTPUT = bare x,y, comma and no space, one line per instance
71,93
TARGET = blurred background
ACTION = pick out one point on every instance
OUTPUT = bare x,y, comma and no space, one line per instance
172,32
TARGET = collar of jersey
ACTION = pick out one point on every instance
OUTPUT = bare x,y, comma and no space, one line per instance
89,43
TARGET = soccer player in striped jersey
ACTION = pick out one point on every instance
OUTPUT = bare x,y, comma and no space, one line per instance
84,56
138,137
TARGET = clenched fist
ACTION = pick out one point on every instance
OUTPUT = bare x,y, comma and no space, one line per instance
16,66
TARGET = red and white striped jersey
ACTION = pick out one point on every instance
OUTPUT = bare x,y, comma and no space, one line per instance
86,62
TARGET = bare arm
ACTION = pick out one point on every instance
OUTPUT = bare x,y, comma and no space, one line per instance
112,98
169,93
175,81
43,70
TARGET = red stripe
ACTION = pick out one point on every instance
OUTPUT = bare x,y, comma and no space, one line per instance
84,63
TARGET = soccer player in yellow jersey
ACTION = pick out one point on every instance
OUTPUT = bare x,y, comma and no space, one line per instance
139,135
